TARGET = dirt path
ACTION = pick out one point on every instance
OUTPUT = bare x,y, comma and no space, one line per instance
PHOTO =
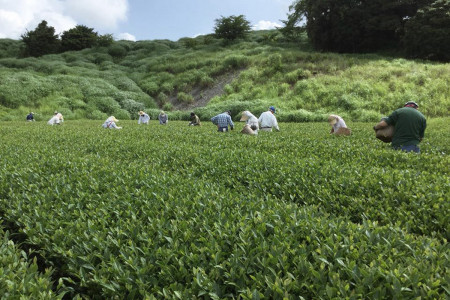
202,96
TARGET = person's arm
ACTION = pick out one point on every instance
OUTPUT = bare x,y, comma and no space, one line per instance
380,125
275,124
214,120
422,130
231,123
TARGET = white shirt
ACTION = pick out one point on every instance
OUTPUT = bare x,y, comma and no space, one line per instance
252,120
54,120
268,120
340,123
144,119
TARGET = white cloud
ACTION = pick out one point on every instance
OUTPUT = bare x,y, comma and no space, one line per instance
100,14
18,16
126,36
265,25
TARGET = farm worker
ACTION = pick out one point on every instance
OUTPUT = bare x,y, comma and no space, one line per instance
251,120
267,120
111,123
163,119
409,127
338,126
30,117
222,121
143,118
251,130
195,120
60,116
56,119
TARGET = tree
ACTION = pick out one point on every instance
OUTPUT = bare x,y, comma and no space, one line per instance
427,34
232,27
105,40
354,25
41,41
78,38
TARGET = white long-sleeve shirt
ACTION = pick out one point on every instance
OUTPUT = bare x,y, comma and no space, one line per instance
54,120
252,120
268,121
144,119
339,123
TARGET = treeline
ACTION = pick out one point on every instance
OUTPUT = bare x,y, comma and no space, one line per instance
419,28
43,40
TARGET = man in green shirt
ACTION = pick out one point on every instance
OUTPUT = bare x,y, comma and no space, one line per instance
409,126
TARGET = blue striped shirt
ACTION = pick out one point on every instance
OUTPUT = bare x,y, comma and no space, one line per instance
222,120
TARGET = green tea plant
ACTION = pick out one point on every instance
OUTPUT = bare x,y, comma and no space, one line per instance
186,212
20,278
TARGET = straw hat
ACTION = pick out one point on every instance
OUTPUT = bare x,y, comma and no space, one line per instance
332,119
244,116
141,112
114,119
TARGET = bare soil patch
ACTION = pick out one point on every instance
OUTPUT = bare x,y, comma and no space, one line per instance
202,96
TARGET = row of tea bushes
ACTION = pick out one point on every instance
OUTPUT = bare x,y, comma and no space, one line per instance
185,212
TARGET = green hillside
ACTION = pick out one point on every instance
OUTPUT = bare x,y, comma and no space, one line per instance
207,76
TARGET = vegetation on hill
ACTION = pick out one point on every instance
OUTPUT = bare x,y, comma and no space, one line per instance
263,70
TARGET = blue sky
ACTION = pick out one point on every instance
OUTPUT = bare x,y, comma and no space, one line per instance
137,19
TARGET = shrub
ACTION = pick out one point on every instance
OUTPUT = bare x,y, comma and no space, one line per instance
167,106
150,87
121,114
236,62
117,51
132,107
94,114
184,97
104,104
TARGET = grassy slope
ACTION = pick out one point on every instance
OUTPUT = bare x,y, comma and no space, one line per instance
130,76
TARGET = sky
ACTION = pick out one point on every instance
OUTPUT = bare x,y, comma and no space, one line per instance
137,19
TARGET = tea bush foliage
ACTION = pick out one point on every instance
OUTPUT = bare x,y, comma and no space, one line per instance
185,212
20,279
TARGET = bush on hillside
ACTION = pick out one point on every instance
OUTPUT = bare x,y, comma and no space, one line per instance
236,62
132,107
94,114
117,51
185,97
104,104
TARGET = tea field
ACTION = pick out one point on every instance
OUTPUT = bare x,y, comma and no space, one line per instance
179,212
